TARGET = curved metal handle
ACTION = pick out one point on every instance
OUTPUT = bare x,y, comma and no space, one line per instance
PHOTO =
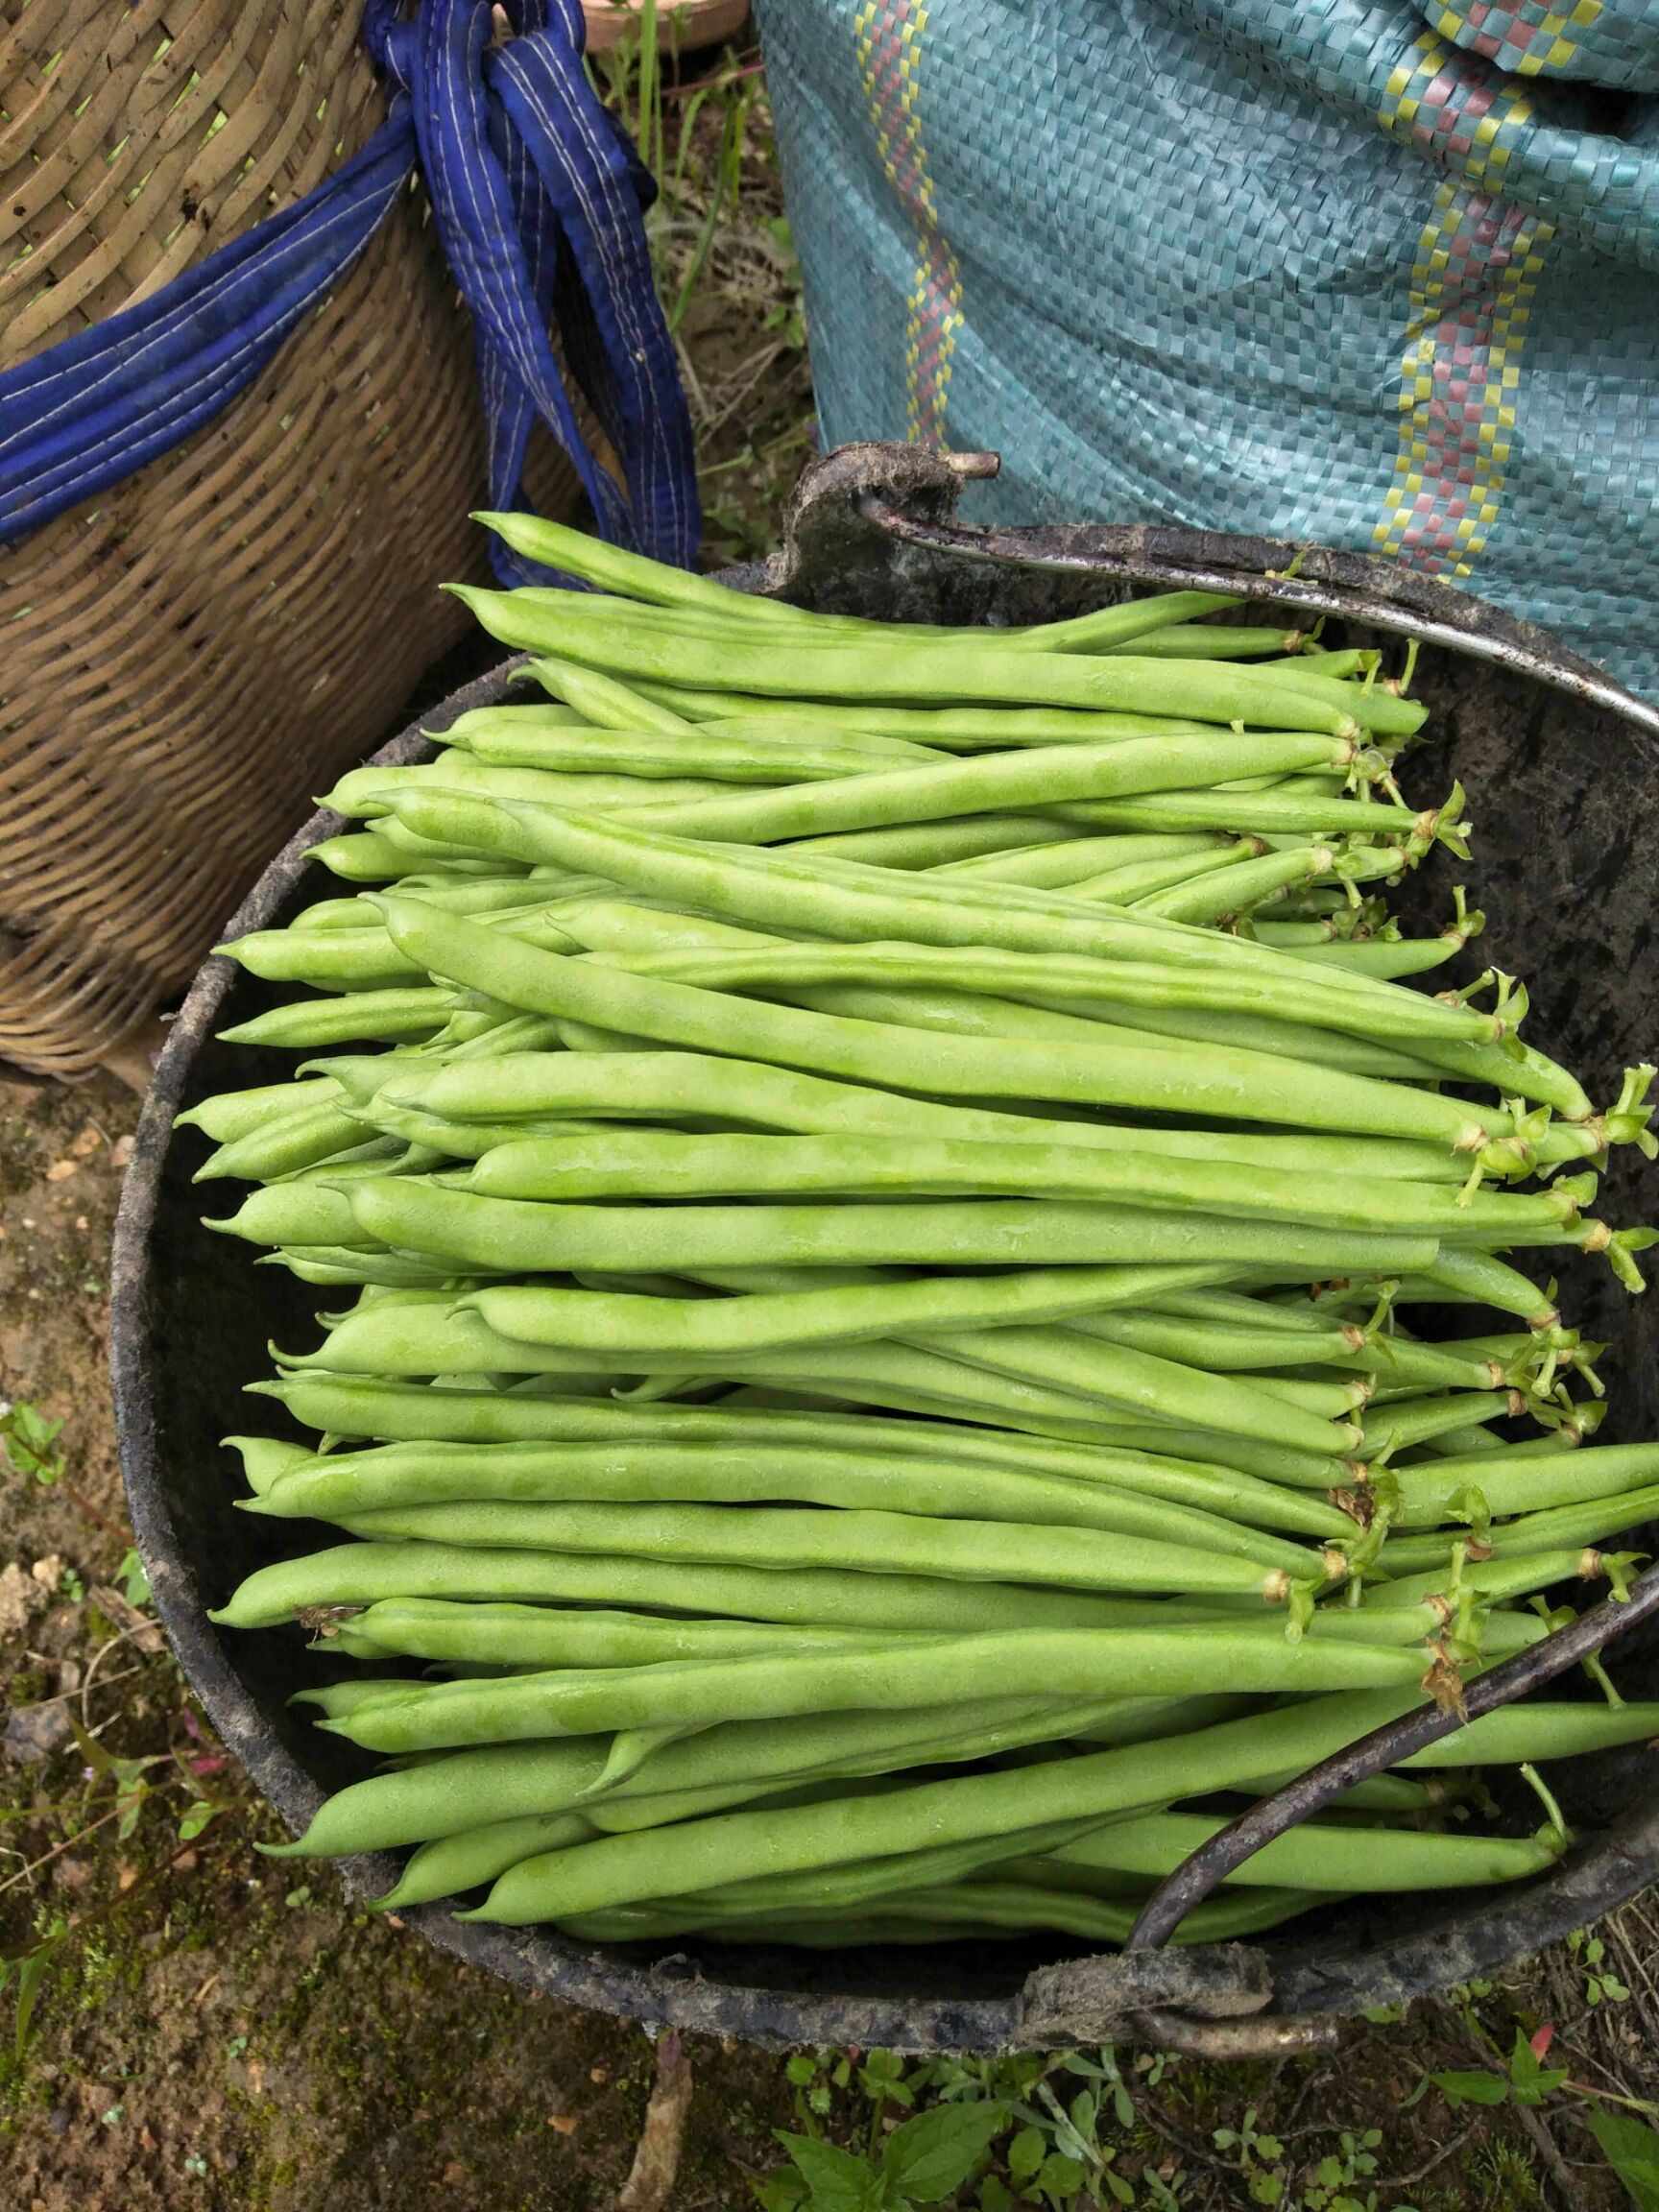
1384,1747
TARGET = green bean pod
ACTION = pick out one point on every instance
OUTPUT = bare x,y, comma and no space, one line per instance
1166,1076
1283,994
665,1085
1206,692
361,1574
286,1143
451,1866
861,1540
1430,1495
415,1213
987,784
343,1486
232,1115
1065,864
1315,1856
1536,1733
668,1164
392,1016
625,1869
350,1405
692,1695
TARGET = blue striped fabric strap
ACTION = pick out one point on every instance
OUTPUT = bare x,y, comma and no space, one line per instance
538,200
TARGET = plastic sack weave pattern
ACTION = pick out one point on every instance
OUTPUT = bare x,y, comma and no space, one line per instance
1367,273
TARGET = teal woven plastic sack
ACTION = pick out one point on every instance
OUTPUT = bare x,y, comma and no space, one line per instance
1381,276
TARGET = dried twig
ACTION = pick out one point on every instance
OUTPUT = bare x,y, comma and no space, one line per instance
83,1503
1561,2173
657,2154
1419,2172
1479,2045
58,1849
1169,2132
144,1632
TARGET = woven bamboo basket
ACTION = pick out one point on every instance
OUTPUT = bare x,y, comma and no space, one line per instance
192,656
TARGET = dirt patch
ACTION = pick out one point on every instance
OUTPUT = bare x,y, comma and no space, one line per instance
213,2028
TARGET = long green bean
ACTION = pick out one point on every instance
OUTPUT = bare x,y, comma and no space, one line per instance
341,1487
859,1539
688,1694
361,1574
736,1846
1166,1076
1206,692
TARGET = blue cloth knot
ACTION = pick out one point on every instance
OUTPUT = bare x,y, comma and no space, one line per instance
539,198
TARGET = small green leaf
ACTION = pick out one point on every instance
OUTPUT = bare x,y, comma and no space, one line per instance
1061,2178
798,2069
1530,2082
784,2191
934,2153
994,2195
1460,2088
27,1974
1027,2153
837,2181
26,1442
134,1582
1631,2147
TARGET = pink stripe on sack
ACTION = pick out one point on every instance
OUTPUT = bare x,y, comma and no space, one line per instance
888,40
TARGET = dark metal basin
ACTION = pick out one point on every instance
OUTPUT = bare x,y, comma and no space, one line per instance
1560,768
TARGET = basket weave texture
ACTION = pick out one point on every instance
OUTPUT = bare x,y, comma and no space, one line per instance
189,658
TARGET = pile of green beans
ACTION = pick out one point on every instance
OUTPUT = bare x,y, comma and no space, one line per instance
898,1232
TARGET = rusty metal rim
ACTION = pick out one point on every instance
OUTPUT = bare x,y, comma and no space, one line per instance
1463,624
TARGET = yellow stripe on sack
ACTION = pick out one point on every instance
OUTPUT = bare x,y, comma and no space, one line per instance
887,39
1459,378
1550,45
